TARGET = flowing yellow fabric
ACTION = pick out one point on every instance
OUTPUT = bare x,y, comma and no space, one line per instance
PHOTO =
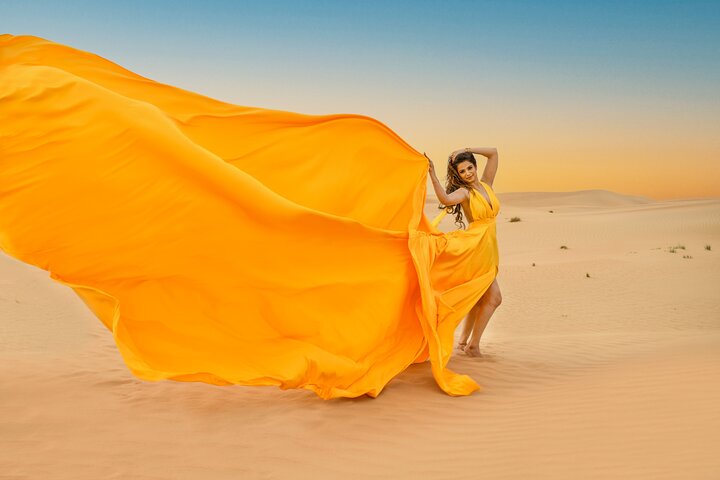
228,244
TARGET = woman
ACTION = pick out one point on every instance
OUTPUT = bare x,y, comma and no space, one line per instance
464,192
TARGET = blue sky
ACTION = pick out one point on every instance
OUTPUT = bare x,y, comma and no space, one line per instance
566,84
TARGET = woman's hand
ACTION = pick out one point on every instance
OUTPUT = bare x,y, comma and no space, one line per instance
431,165
456,152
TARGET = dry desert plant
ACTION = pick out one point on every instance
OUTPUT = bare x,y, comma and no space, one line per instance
676,247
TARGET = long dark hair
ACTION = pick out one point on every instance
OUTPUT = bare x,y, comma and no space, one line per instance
453,181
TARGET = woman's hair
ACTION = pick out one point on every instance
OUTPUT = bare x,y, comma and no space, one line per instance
454,181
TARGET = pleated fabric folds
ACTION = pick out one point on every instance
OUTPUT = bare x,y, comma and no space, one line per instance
228,244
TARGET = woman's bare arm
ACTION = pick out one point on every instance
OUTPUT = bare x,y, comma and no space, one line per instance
458,196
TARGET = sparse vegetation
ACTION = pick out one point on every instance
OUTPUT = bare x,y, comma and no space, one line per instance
563,247
675,248
551,211
708,247
515,219
687,256
587,275
533,264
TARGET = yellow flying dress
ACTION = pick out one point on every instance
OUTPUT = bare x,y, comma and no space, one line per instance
228,244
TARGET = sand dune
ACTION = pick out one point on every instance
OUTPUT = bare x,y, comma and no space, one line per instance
592,198
602,362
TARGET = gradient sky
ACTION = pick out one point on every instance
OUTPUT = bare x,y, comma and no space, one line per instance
622,96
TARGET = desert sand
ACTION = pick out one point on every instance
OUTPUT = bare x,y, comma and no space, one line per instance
602,362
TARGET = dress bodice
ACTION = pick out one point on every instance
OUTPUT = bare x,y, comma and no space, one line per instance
481,211
480,208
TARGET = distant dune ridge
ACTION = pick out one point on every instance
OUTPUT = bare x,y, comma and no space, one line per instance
594,198
611,375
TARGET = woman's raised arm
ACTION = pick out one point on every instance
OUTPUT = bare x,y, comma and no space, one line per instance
447,199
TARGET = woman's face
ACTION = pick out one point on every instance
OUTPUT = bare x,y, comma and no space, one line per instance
466,170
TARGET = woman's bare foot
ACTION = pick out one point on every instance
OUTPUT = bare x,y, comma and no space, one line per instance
461,346
472,351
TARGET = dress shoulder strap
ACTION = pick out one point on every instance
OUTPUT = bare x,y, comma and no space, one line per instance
436,221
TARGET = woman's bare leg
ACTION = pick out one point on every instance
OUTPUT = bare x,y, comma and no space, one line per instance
468,326
487,305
